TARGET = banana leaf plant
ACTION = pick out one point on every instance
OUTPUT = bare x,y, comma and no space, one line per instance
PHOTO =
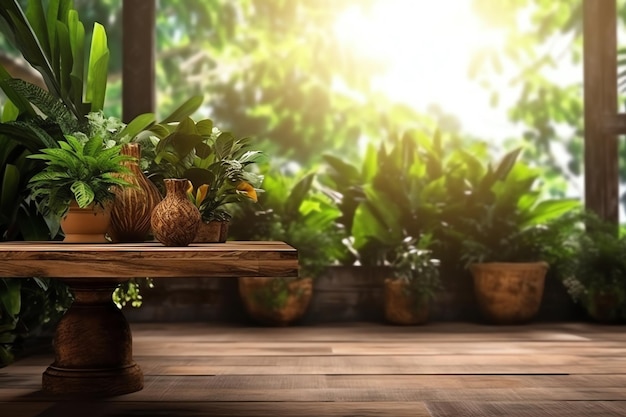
53,41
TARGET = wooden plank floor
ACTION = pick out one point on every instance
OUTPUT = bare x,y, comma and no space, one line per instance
353,369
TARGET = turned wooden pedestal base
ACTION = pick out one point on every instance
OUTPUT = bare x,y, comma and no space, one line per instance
93,345
93,351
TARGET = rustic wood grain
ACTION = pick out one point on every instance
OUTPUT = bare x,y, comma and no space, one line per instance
123,260
358,369
600,108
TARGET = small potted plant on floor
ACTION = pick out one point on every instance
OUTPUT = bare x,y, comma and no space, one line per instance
76,183
414,284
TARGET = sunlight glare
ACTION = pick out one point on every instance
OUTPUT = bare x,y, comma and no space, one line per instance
427,46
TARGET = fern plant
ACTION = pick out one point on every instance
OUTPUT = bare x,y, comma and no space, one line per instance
80,171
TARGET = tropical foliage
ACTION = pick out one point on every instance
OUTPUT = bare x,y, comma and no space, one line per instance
294,210
595,271
81,172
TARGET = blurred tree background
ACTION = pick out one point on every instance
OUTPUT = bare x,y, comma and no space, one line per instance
275,70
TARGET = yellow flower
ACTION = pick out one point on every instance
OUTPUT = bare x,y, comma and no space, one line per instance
200,193
248,190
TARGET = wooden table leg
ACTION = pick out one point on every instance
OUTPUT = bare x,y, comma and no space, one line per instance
93,345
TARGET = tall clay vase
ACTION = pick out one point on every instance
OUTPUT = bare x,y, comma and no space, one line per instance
175,220
132,207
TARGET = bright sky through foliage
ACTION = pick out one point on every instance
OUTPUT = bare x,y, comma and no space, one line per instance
428,47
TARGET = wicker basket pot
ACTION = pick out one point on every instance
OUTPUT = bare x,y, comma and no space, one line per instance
509,293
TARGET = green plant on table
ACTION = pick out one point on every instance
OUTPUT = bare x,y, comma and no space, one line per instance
221,177
81,172
215,162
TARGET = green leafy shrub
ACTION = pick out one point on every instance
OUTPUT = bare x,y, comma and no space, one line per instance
595,272
292,209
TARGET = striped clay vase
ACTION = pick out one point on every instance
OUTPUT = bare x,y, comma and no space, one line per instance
175,220
132,206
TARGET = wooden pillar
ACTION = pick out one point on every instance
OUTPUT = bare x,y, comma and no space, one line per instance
600,104
138,78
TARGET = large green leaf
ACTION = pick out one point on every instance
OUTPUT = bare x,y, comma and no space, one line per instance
27,134
15,97
138,124
10,189
298,194
77,44
10,298
98,67
83,193
28,42
224,145
548,210
10,112
37,19
345,174
48,104
185,110
66,61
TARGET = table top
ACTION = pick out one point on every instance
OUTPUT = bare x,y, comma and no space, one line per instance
149,259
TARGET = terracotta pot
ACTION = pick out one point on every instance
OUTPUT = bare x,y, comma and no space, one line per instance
175,219
402,305
212,232
86,225
132,207
276,301
509,293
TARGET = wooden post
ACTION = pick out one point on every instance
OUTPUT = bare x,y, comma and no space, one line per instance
600,104
138,79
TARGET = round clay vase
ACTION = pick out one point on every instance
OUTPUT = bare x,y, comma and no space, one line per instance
276,301
132,207
401,305
86,225
175,219
509,293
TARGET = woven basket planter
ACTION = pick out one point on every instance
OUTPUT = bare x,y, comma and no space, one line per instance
509,293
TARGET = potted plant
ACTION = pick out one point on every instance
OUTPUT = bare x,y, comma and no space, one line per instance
214,162
221,178
76,183
414,284
292,210
595,272
505,230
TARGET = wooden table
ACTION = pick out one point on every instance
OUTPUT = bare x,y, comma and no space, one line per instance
92,342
